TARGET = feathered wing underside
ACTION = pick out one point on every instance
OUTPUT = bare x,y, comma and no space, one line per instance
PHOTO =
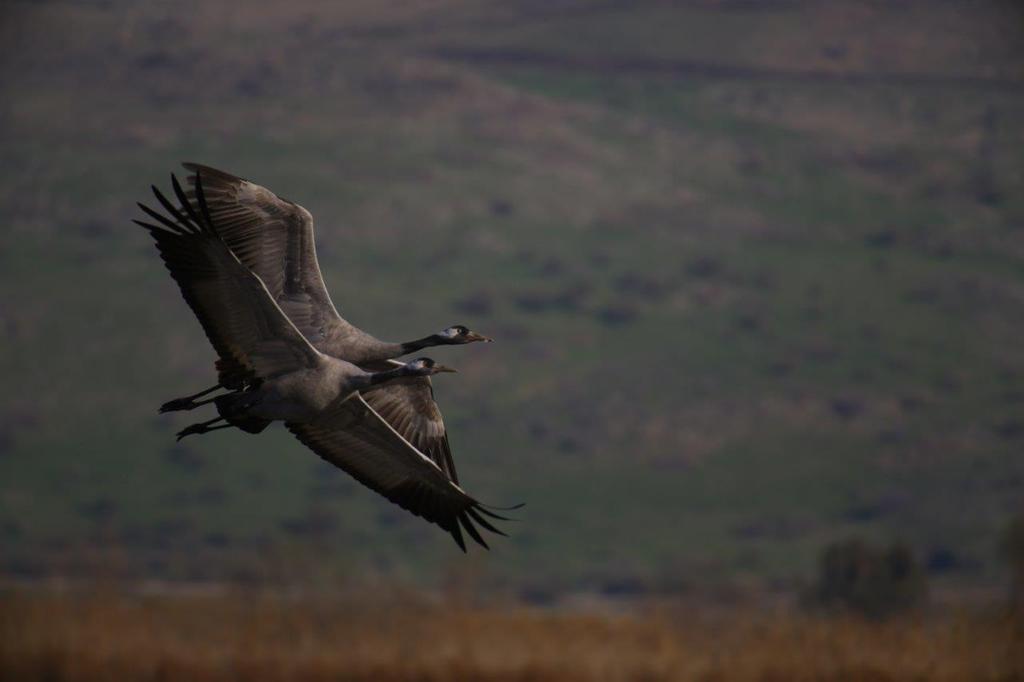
354,437
252,336
274,238
408,405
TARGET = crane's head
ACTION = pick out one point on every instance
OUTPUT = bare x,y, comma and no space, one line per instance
424,367
458,334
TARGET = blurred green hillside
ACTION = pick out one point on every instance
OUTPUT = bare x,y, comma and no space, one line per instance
756,272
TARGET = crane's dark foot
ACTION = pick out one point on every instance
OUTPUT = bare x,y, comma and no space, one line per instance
202,427
178,404
189,401
194,429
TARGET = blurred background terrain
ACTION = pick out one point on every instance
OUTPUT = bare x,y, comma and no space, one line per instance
755,269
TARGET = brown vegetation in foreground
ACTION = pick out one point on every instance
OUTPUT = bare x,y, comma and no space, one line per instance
258,637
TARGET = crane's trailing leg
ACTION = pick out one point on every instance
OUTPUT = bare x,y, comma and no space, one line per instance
188,402
203,427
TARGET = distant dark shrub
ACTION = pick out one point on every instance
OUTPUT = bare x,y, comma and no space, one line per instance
212,496
942,560
862,513
566,300
6,438
847,408
157,60
636,285
883,239
616,315
568,444
537,429
170,534
318,522
249,87
875,582
748,323
834,51
182,457
623,586
10,530
217,540
501,207
891,437
538,595
1011,548
551,267
98,510
704,267
94,228
478,304
1010,429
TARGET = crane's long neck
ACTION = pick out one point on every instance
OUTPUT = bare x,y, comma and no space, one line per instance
374,378
418,344
381,350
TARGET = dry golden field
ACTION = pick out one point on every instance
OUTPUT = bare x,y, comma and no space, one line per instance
206,637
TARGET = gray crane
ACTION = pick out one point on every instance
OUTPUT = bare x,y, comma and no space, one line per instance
321,398
274,238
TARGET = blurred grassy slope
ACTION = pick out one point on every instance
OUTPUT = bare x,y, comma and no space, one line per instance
739,311
399,636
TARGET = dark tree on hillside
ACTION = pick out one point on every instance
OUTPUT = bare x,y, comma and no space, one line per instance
876,582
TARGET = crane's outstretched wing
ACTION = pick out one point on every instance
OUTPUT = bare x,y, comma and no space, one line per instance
250,333
352,436
408,405
273,237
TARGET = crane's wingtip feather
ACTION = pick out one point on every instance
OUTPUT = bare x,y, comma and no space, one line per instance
457,534
484,522
148,226
492,514
512,508
473,532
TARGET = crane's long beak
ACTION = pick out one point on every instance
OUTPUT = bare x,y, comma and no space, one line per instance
442,368
473,336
